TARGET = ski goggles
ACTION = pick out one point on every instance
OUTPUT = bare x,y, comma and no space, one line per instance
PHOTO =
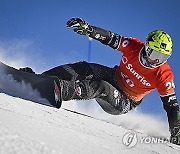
155,58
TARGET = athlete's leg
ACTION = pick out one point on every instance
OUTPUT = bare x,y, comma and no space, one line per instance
108,97
114,101
82,70
80,89
84,80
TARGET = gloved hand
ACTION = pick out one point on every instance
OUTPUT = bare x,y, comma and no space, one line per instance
80,26
175,132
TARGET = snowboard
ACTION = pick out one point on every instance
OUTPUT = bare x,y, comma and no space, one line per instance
47,88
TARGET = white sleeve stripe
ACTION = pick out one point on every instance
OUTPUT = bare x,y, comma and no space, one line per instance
119,43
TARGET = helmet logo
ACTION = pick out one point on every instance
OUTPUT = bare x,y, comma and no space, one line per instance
163,46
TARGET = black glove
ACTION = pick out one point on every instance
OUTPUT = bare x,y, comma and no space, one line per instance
175,132
80,26
27,69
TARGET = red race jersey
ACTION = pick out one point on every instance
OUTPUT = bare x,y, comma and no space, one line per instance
137,80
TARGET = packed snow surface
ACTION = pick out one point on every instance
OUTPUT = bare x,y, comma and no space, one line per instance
30,128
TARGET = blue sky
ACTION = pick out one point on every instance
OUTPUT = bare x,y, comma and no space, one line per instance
35,30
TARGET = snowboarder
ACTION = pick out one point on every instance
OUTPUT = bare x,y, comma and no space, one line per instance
117,90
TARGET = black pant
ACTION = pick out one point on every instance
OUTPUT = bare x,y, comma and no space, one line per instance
84,80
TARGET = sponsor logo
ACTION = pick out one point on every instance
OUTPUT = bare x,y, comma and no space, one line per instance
115,42
116,93
97,36
171,98
125,43
124,60
134,72
117,100
100,37
57,94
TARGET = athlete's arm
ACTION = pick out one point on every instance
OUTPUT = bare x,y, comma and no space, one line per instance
104,36
171,106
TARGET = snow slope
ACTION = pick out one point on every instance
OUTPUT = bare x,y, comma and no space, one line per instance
30,128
